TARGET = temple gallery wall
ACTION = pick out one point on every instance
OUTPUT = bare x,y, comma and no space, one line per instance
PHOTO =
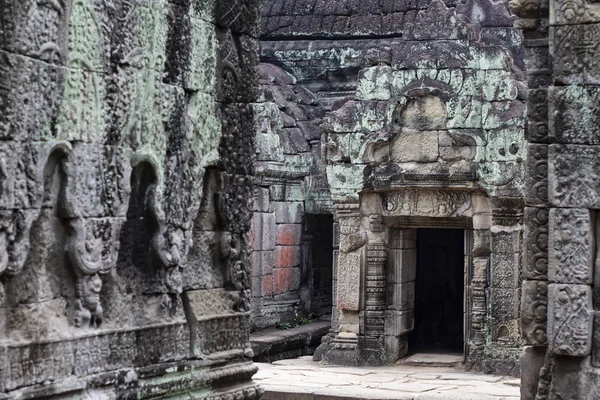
176,174
126,163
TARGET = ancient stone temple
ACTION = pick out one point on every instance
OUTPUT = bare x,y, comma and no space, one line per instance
454,143
424,152
126,156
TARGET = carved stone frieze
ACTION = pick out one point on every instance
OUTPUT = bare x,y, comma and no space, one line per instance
570,318
427,203
535,238
437,22
571,246
534,312
574,184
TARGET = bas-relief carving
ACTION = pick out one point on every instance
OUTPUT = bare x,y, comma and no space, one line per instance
97,114
534,312
574,184
92,246
571,12
535,238
427,203
537,174
570,319
570,246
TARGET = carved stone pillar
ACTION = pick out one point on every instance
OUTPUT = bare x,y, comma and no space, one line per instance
375,291
344,347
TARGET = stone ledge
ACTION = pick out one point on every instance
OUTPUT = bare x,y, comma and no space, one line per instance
274,344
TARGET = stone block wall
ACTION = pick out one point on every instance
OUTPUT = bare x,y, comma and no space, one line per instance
289,186
126,165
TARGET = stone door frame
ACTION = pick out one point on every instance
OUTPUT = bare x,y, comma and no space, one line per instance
402,233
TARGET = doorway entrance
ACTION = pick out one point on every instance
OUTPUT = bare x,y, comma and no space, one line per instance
439,291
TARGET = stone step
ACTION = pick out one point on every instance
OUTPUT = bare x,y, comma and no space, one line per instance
275,344
433,360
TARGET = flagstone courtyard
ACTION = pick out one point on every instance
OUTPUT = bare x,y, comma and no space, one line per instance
304,379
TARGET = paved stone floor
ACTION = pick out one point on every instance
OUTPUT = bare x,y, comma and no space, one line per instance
304,379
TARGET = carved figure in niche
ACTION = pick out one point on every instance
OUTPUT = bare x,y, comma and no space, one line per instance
92,246
88,310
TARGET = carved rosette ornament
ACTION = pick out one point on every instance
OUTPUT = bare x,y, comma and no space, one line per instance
92,246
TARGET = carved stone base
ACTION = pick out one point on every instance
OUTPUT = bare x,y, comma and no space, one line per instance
343,351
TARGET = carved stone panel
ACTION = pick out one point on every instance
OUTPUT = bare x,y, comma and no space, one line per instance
426,203
534,312
572,12
576,53
570,246
537,175
574,184
570,318
575,111
348,281
535,238
505,270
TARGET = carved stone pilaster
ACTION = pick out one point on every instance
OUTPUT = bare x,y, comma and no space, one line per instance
478,285
375,292
534,312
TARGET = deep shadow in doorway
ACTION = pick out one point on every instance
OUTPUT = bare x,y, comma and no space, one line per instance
439,292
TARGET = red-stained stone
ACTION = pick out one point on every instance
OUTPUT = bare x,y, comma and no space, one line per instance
267,287
288,234
286,280
287,256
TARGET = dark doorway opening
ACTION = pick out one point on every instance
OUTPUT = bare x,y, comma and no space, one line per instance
439,291
317,264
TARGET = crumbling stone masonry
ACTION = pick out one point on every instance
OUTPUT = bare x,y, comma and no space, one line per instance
126,157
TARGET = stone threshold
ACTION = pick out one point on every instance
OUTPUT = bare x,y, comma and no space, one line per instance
274,344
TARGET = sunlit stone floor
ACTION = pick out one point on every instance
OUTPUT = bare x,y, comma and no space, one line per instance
304,379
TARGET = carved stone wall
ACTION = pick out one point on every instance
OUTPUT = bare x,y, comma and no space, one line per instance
126,164
561,237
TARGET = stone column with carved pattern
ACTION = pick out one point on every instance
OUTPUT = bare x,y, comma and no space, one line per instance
375,293
344,348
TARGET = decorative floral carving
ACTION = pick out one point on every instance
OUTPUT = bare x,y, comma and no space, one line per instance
534,312
535,237
570,317
570,246
574,184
